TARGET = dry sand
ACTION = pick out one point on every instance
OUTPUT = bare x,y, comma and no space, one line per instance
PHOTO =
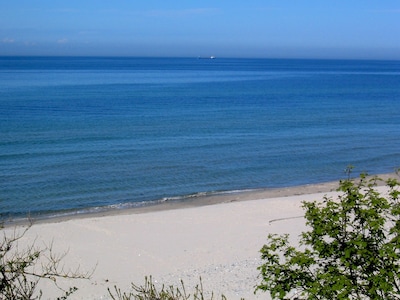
218,241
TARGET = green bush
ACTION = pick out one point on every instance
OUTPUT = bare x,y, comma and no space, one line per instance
352,250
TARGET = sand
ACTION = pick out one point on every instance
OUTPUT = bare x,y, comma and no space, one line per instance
218,241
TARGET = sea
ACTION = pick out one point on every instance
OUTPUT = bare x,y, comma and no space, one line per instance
86,134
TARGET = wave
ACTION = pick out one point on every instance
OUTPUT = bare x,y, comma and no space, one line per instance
112,208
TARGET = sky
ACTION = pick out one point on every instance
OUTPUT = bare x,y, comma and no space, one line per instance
341,29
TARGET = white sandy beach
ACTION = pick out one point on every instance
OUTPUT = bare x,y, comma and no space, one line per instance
219,243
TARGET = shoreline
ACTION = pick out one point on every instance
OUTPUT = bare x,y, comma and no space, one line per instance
217,241
195,200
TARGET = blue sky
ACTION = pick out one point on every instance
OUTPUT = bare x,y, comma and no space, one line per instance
361,29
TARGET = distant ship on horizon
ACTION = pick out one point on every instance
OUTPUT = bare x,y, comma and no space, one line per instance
207,57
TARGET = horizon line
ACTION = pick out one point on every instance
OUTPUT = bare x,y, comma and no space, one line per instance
194,57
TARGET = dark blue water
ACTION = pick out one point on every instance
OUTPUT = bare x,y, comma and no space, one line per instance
79,134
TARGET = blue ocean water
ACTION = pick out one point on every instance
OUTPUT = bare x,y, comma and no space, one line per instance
79,134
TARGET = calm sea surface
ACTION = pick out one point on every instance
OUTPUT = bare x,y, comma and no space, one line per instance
79,134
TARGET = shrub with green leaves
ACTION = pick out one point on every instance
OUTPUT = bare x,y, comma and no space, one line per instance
352,250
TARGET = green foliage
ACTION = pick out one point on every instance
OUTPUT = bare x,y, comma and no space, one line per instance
21,270
352,250
150,292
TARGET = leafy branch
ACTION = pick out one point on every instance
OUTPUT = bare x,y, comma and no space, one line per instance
352,250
